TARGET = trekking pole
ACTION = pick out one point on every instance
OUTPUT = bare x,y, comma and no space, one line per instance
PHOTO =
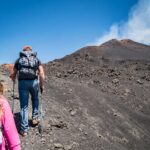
13,101
41,115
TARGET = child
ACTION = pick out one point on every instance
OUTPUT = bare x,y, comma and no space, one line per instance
9,138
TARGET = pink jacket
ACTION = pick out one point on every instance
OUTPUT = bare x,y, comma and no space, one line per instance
9,127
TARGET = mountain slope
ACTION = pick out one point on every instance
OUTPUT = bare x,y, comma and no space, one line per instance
96,99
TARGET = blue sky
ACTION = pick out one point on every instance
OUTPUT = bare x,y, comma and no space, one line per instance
55,28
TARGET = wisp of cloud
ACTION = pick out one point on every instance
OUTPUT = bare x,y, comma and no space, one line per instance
136,28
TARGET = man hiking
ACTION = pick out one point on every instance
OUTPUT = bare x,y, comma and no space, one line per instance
29,69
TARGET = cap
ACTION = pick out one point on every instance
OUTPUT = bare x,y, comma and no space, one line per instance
27,47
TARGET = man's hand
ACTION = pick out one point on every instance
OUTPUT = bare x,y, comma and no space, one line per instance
41,89
13,74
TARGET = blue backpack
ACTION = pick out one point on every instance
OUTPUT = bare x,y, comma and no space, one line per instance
28,65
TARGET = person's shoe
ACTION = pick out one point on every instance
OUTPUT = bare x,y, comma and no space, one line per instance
23,133
35,122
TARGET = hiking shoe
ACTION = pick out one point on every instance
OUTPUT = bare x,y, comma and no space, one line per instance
23,133
35,122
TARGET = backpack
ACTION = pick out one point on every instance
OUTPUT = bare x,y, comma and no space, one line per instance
28,65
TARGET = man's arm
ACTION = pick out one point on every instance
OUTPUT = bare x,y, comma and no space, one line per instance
42,77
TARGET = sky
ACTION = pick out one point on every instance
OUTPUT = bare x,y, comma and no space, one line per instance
55,28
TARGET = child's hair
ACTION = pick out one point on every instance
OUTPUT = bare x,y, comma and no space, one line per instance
1,93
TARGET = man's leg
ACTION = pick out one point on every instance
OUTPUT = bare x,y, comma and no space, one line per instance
35,99
24,96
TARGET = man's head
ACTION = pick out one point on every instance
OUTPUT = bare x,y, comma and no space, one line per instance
27,48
